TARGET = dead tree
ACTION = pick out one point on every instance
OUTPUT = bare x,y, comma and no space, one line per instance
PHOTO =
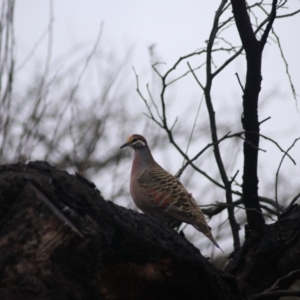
60,239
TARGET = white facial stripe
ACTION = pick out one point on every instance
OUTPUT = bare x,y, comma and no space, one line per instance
138,143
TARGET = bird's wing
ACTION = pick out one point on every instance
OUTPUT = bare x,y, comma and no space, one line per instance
167,193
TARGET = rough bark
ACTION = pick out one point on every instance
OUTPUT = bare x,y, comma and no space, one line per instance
59,239
254,49
262,261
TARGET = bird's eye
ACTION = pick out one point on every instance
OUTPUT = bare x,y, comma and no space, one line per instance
134,139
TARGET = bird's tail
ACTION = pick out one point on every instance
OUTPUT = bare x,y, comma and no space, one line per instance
214,241
206,231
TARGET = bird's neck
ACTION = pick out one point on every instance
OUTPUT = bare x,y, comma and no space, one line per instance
142,159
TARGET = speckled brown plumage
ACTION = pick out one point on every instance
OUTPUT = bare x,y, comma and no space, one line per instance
158,193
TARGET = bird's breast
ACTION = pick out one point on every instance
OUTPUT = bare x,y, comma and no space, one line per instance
138,195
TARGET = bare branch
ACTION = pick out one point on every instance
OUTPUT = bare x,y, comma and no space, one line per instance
285,281
275,294
153,102
207,90
243,24
150,116
278,146
279,287
183,75
277,172
227,62
192,71
191,134
178,174
293,201
272,17
266,119
288,15
238,78
218,207
286,65
234,176
75,88
183,58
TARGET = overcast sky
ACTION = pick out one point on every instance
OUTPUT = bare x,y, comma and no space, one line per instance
176,27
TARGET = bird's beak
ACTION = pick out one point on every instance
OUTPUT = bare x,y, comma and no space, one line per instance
125,145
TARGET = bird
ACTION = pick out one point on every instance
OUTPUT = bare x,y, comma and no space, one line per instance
159,194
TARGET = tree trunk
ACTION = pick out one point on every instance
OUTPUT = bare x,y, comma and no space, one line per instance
60,239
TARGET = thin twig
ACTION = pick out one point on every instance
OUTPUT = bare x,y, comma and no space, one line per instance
218,207
153,102
150,116
277,289
193,129
278,169
238,78
196,78
184,74
285,281
179,173
234,176
275,143
207,91
235,204
183,58
272,16
275,294
253,146
264,120
287,71
75,88
293,201
288,15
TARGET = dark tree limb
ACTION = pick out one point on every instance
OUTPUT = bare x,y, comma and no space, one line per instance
218,207
213,127
285,281
275,295
59,239
250,121
272,17
270,260
294,200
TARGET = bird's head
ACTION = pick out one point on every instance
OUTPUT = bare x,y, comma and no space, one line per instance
135,141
